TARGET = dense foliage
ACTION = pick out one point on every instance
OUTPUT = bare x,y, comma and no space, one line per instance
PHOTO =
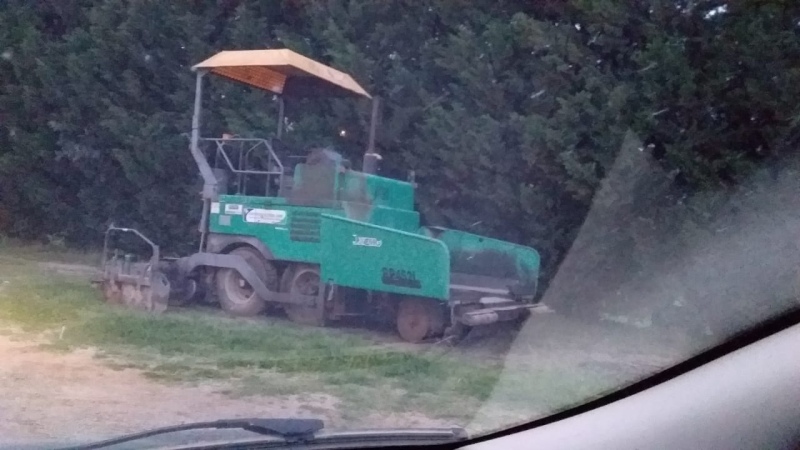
510,112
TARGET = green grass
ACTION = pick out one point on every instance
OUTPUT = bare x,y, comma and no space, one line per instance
259,357
195,346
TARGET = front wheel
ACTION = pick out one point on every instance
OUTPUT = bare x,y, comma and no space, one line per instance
236,296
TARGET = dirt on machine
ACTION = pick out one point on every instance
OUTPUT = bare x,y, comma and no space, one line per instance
307,233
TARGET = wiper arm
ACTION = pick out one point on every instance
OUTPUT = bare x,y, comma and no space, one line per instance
292,430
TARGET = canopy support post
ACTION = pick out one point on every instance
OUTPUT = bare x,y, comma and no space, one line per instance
280,116
209,180
371,159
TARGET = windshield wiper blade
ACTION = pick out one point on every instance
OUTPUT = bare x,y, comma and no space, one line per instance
291,430
358,438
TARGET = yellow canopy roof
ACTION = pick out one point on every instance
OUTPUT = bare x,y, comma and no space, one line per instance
281,71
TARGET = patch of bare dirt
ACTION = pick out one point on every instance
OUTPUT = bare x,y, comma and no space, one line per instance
45,395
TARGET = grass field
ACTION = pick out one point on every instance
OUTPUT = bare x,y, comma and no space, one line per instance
258,357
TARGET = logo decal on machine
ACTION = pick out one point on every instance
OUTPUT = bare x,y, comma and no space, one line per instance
399,277
365,241
266,216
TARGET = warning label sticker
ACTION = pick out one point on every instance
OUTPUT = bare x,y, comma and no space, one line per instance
233,209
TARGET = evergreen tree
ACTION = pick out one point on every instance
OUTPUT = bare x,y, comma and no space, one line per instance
510,113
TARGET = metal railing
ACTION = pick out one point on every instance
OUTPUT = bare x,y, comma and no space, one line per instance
245,158
123,266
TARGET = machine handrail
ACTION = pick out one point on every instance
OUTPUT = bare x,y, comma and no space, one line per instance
156,250
246,148
220,149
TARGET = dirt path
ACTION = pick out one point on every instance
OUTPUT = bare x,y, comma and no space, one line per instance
46,395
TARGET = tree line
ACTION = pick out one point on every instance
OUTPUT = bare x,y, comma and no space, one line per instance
511,113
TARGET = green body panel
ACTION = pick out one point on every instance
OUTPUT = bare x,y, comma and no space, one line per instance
320,188
362,255
363,232
294,237
381,191
479,255
378,200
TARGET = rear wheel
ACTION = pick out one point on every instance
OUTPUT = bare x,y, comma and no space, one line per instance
419,318
305,280
236,296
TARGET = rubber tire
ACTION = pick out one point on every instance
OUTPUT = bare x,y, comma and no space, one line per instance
303,315
419,319
230,301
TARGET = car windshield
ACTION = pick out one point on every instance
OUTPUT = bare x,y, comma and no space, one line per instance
394,214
